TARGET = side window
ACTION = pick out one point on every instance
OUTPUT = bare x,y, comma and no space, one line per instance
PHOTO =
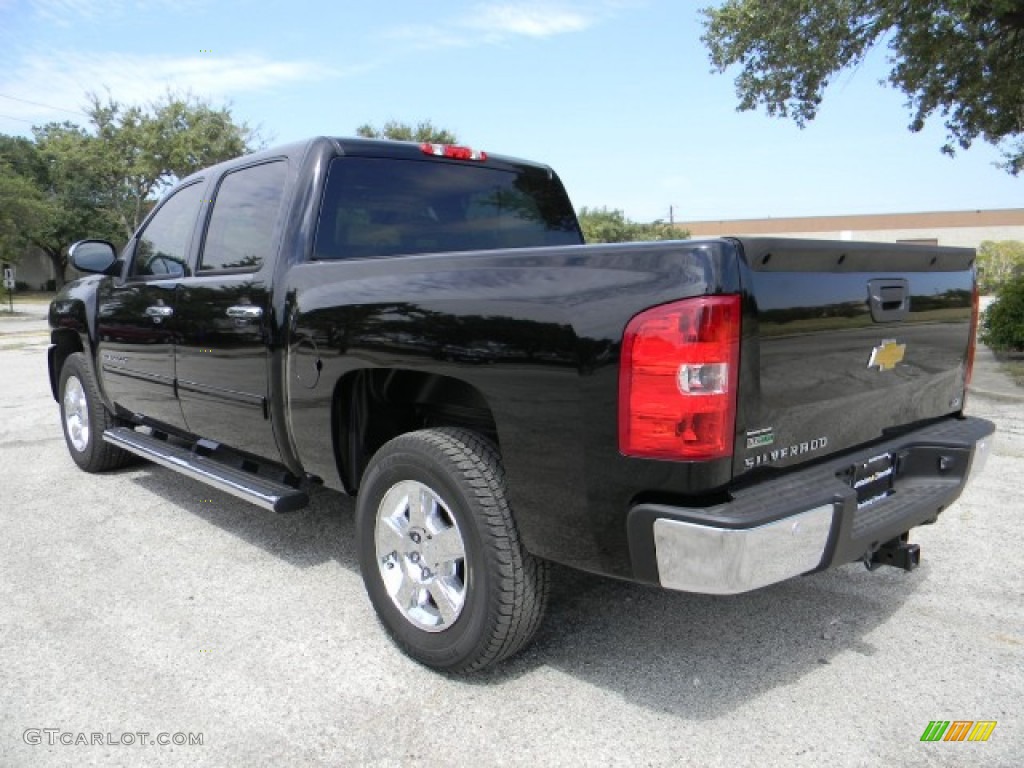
162,247
245,214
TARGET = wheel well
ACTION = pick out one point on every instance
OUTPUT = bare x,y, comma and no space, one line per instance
372,406
65,343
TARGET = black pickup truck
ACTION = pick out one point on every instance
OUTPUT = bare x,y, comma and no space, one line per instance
421,325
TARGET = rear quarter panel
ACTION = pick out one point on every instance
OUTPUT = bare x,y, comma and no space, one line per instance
537,332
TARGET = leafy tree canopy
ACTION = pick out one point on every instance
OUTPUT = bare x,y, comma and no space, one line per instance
134,153
72,182
999,261
398,131
960,59
21,201
606,225
48,202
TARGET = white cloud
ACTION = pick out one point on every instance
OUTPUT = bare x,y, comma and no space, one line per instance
64,81
500,22
528,21
67,12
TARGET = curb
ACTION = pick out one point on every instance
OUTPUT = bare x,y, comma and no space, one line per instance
988,394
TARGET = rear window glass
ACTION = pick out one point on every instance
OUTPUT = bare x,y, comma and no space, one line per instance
386,207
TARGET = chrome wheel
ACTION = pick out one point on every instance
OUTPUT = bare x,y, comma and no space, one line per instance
440,553
421,556
76,414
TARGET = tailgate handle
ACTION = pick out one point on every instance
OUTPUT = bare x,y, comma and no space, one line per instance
889,299
245,312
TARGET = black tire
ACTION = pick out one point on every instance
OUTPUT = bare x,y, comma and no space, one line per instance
504,588
84,437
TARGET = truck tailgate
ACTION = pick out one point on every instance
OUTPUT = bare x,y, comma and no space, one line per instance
849,341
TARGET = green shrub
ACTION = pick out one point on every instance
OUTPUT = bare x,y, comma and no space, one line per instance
1002,326
608,225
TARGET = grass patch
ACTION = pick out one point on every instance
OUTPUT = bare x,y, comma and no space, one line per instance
20,346
1012,364
1015,370
26,297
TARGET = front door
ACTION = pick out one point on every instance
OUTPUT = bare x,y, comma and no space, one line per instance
223,313
136,323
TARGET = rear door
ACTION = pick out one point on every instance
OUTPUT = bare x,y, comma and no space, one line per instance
224,312
853,340
136,322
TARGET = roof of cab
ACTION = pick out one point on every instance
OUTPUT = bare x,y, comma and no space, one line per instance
355,147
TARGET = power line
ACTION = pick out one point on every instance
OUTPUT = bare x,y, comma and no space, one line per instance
40,104
19,119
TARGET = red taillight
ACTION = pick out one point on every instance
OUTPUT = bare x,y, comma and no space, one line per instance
452,151
677,380
972,342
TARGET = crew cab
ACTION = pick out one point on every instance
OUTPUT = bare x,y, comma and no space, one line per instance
421,326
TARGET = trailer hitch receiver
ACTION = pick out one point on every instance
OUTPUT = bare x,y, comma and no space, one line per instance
899,553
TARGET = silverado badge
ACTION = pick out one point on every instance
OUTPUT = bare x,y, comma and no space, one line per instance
887,354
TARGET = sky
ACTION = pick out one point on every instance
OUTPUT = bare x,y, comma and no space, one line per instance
617,96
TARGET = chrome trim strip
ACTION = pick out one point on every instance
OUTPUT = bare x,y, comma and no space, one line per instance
724,561
230,395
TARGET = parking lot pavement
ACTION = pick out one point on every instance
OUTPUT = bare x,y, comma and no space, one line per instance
139,601
25,327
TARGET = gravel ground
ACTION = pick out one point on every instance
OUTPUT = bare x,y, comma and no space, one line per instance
140,601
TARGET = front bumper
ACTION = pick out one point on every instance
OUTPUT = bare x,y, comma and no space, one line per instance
810,519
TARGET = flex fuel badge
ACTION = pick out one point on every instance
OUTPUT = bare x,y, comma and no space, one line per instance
758,438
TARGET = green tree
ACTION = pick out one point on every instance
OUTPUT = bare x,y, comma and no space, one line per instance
102,181
22,206
960,59
1002,326
998,262
140,152
398,131
607,225
49,201
20,202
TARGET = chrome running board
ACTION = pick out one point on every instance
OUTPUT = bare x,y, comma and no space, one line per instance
261,491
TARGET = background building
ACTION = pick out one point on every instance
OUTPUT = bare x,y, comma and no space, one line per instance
963,228
34,270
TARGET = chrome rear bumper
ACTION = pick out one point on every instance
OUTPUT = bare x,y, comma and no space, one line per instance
810,519
723,561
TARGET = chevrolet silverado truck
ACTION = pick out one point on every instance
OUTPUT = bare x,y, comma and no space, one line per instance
422,327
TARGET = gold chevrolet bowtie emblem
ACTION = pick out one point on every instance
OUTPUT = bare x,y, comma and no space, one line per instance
887,354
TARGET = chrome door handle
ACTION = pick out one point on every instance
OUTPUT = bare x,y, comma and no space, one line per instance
159,311
245,312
